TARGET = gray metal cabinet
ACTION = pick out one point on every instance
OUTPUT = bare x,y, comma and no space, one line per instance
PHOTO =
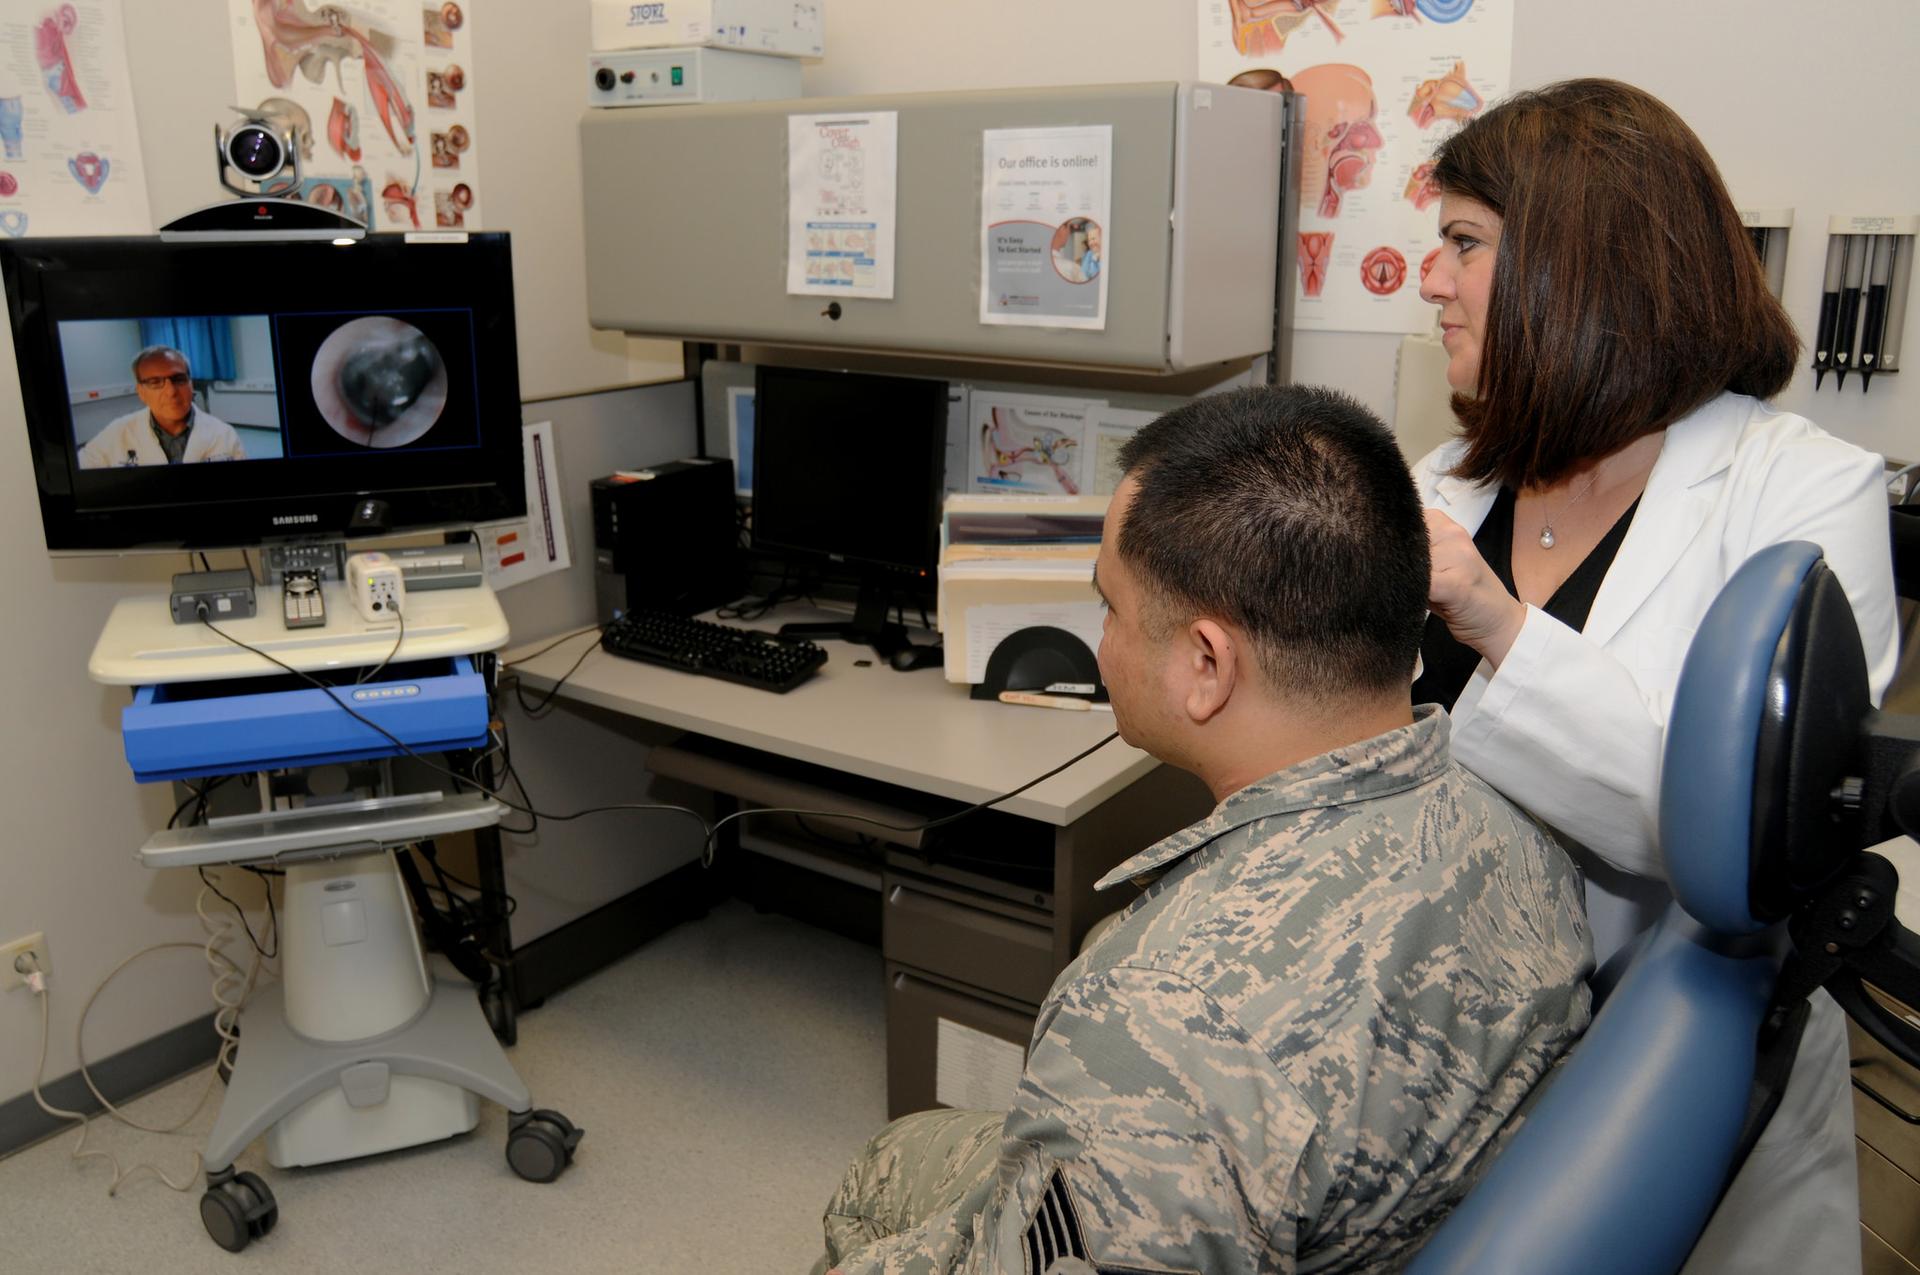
685,210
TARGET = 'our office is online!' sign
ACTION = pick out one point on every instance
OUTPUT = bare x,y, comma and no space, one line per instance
1045,238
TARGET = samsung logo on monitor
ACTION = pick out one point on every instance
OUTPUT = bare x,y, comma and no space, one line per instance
642,15
289,520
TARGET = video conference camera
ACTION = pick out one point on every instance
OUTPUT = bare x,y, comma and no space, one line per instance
261,152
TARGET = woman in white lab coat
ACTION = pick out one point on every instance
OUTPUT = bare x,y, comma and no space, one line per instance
1612,344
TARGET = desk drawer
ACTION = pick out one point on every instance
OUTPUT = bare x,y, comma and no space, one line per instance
982,941
1889,1202
951,1045
1879,1128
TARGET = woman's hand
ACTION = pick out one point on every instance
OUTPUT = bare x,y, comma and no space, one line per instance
1467,595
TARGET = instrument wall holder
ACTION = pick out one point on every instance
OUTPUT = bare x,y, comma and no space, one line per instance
1863,297
1769,228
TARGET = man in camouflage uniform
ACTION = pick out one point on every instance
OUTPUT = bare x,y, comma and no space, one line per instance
1296,1050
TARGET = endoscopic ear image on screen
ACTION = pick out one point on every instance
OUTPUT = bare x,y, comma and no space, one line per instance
379,381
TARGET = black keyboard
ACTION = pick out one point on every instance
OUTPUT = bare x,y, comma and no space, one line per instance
730,652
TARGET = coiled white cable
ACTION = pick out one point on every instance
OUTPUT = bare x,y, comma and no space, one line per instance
227,974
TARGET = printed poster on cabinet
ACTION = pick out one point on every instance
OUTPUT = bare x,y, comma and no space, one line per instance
379,100
1383,82
841,204
1046,199
69,141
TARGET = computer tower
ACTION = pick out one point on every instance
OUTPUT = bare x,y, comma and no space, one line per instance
667,538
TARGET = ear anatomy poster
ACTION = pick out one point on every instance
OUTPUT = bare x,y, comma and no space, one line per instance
377,99
1382,83
69,141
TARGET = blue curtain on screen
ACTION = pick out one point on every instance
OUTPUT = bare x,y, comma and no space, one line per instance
207,343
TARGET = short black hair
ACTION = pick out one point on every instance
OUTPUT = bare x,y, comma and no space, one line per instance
1288,511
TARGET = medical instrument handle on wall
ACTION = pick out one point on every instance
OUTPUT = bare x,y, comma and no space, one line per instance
1876,316
1899,280
1856,268
1829,308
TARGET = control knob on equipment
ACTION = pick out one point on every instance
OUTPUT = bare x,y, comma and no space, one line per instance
603,79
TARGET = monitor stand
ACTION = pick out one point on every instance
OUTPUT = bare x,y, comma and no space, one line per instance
869,623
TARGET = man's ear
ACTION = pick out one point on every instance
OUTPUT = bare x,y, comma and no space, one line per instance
1212,660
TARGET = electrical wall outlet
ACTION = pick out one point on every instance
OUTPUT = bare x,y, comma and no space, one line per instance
34,944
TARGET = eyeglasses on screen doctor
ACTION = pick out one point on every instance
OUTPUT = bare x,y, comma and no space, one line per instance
161,382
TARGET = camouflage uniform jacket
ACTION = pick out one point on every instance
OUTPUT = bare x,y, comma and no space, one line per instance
1295,1050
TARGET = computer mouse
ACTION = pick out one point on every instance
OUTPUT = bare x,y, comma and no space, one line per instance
908,658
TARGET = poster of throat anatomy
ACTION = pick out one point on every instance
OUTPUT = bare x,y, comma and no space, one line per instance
69,143
1045,235
1384,81
379,99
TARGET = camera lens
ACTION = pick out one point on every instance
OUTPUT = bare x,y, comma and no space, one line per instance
255,151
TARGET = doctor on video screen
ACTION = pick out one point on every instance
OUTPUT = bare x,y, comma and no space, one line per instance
169,429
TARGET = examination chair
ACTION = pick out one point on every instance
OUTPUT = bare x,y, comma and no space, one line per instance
1777,772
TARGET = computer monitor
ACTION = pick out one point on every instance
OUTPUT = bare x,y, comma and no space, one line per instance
847,470
220,395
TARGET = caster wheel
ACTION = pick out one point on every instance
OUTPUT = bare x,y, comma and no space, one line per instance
540,1147
238,1211
269,1216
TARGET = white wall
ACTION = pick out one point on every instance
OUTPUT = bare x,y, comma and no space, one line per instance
253,351
96,353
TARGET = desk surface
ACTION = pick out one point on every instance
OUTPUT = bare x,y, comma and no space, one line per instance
142,646
917,729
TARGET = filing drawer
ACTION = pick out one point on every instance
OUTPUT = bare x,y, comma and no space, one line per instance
986,1034
1878,1259
1889,1202
1889,1157
990,943
1879,1128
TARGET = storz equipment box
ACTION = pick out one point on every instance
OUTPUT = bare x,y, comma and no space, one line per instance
786,28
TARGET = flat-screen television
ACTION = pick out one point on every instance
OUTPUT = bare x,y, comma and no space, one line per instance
220,395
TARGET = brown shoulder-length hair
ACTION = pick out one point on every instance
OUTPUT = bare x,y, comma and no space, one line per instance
1626,291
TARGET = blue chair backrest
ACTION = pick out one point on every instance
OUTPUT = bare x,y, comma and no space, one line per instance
1623,1153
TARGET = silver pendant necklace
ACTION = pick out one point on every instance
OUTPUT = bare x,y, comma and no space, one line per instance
1547,538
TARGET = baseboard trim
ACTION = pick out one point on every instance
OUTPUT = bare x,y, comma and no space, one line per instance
544,966
589,943
123,1077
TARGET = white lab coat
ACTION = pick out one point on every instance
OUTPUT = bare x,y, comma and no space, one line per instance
1572,725
211,439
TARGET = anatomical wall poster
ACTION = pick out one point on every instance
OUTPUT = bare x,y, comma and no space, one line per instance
840,204
1029,443
69,144
1383,81
379,100
1046,198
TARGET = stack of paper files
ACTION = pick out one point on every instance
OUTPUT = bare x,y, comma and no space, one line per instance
1009,562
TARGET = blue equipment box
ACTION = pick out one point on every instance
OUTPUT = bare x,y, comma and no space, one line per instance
187,730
